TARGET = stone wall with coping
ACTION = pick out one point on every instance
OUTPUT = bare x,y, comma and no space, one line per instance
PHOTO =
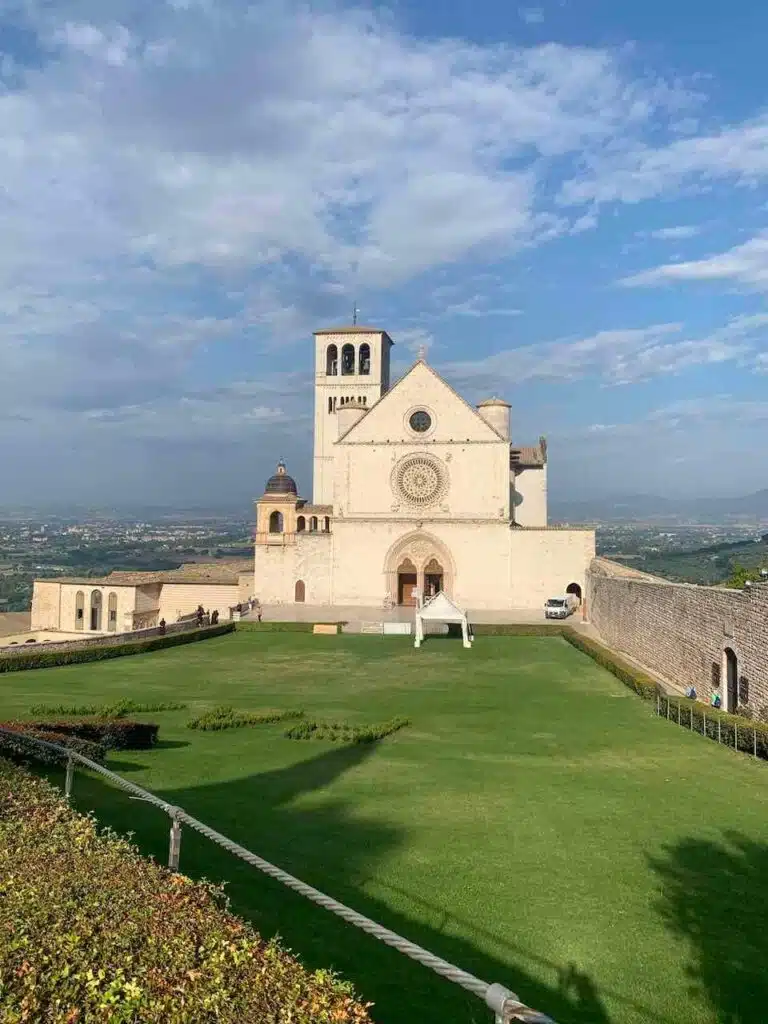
79,641
682,631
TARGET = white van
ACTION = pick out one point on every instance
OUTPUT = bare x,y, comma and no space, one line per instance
561,607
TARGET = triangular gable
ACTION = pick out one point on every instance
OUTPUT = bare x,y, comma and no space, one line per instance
441,608
455,418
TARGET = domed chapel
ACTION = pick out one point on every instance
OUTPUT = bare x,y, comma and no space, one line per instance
414,490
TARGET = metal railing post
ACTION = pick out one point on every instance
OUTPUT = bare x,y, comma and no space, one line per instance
174,846
68,778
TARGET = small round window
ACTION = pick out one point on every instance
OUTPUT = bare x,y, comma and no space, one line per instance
420,421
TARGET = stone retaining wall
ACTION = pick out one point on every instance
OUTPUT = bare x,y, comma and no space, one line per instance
682,631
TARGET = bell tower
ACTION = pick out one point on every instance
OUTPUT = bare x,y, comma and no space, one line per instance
351,364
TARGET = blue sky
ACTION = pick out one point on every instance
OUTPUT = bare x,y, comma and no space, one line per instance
565,201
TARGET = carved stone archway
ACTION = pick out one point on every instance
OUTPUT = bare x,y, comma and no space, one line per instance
421,549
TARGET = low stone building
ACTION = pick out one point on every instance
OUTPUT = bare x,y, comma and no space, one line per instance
123,602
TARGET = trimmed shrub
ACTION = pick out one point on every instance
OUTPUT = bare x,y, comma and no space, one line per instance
17,749
113,733
631,676
225,717
42,658
282,627
345,732
117,710
743,733
517,628
91,930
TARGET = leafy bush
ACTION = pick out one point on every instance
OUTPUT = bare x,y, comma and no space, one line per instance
113,733
92,931
16,748
225,717
42,658
345,732
117,710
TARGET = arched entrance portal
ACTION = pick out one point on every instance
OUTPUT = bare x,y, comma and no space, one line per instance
299,592
575,589
731,679
407,583
420,563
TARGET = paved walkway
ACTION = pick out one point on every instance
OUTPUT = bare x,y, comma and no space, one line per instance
355,616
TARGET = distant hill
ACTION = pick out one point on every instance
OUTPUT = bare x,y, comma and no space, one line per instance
654,508
708,565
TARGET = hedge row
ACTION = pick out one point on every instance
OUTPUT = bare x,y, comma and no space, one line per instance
90,930
113,733
119,709
282,627
17,749
345,732
517,628
225,717
736,731
42,658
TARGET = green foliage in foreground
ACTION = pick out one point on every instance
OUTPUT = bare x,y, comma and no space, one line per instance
42,658
119,709
225,717
94,931
345,732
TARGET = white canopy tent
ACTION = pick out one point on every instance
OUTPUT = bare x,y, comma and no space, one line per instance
440,609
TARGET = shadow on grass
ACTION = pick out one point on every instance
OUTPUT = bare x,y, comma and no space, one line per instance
170,744
326,843
715,895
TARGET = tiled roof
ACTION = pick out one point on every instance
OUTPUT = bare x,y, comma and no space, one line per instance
222,573
528,455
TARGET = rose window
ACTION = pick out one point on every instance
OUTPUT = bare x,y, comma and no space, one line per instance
420,480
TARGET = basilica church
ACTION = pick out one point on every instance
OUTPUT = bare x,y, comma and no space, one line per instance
414,491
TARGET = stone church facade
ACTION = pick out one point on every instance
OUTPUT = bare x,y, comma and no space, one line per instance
414,490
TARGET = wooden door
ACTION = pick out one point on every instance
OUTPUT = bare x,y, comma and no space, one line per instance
407,583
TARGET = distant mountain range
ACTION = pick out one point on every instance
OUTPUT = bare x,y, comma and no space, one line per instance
648,508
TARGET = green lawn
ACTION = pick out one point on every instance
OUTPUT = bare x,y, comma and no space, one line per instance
536,824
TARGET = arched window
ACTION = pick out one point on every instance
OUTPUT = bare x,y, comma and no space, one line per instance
301,524
96,609
112,613
79,609
348,359
313,524
276,522
330,405
331,361
299,592
365,358
327,524
334,405
365,400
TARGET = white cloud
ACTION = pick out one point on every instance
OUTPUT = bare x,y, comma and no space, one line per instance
632,172
745,265
681,231
615,357
531,15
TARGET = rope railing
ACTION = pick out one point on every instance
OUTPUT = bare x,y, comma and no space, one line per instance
505,1005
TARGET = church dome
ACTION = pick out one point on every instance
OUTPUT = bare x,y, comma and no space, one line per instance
280,482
